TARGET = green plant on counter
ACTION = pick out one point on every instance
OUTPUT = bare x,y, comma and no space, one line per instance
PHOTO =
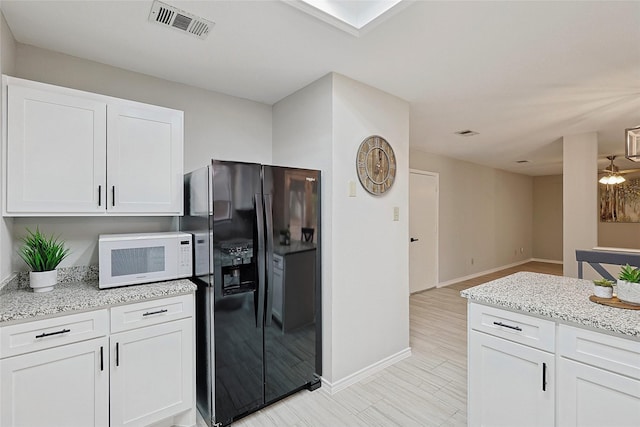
41,252
603,282
629,274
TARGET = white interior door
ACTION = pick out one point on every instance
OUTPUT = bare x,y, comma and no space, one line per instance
423,230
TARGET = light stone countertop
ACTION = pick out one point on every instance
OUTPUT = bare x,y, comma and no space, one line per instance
558,298
21,303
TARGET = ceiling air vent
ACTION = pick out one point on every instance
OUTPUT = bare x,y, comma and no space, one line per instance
466,132
169,16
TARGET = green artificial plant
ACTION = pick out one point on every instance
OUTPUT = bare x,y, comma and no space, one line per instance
41,252
629,274
603,282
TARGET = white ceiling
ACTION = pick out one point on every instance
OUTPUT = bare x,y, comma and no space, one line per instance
522,74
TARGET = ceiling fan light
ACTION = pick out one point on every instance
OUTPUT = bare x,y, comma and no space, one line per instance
619,179
604,180
632,148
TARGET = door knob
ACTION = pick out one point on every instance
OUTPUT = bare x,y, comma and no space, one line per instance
413,239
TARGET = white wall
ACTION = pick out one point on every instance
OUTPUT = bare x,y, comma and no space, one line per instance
7,63
216,125
302,137
547,217
365,253
370,282
485,214
580,197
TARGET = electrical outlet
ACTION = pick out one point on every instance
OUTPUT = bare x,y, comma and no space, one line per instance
471,261
396,213
521,250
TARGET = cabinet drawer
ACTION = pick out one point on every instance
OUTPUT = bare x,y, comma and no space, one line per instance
41,334
138,315
605,351
521,328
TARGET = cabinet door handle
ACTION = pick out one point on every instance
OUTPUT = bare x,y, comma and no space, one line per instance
515,328
117,354
101,359
63,331
99,195
151,313
113,195
544,376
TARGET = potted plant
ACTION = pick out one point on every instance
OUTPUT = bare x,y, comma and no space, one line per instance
628,286
42,254
603,288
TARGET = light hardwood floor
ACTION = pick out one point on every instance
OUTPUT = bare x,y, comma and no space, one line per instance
427,389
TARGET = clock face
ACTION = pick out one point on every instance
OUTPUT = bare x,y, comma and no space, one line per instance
376,165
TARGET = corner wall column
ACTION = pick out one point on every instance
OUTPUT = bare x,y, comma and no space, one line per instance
579,197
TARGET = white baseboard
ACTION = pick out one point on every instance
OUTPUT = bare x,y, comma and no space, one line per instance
333,388
482,273
550,261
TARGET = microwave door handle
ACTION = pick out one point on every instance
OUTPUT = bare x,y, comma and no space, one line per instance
269,220
261,259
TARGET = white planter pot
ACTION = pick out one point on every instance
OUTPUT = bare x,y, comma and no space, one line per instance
43,281
603,291
628,292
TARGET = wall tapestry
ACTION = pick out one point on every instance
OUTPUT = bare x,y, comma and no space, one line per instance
621,203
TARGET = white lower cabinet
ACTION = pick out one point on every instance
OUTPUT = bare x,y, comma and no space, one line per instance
151,373
593,397
510,384
528,371
598,379
69,371
64,386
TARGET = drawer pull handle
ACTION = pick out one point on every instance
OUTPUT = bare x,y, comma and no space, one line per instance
63,331
151,313
516,328
544,376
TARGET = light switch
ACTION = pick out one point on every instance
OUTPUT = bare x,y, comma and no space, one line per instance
352,188
396,213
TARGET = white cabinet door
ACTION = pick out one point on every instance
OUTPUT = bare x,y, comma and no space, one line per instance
64,386
509,384
151,373
593,397
56,152
144,152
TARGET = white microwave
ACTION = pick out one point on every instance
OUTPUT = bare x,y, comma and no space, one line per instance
131,259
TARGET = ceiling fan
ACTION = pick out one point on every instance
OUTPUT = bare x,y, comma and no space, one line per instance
613,173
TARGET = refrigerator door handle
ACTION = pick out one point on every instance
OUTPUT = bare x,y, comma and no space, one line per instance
261,260
269,220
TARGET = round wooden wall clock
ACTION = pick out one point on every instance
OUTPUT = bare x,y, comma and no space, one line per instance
376,165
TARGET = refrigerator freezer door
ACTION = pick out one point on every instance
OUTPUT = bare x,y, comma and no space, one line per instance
237,319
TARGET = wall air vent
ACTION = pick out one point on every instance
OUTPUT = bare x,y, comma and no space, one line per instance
466,132
172,17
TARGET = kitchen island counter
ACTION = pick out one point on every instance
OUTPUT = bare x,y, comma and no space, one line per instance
22,304
558,298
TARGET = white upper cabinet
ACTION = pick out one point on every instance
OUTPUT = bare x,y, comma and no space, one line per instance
69,152
144,162
56,152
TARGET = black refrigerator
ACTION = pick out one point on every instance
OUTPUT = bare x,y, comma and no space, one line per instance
256,233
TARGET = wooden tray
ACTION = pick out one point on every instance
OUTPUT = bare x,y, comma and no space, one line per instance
614,302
